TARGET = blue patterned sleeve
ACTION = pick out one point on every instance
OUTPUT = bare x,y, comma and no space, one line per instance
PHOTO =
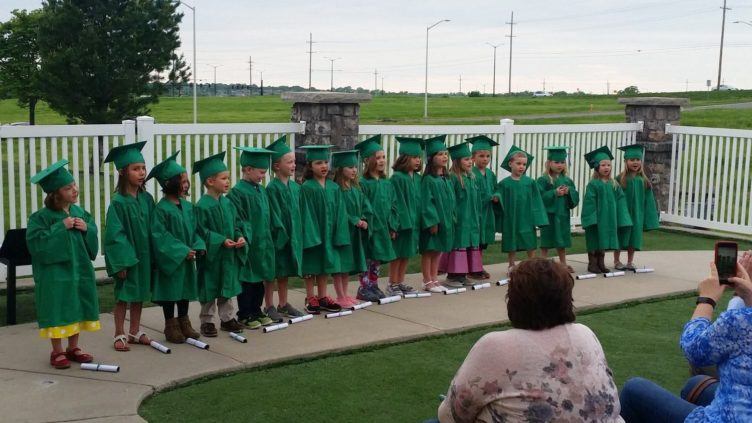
705,344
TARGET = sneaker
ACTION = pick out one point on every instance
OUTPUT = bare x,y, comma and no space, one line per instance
619,266
264,319
434,287
479,275
251,323
376,290
455,281
468,282
367,294
231,326
393,289
344,302
630,266
208,330
312,305
328,304
273,314
289,311
406,289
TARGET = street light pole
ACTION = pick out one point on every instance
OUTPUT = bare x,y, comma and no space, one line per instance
425,93
493,92
195,64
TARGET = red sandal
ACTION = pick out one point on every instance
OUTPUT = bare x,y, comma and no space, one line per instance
75,354
59,360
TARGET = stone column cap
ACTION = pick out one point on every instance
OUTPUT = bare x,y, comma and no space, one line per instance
654,101
325,97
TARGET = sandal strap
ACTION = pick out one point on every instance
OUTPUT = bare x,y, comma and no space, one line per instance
138,335
73,350
120,338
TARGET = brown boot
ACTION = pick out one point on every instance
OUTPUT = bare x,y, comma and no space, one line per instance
172,331
187,329
602,262
592,265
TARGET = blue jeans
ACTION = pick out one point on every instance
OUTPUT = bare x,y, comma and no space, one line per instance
644,401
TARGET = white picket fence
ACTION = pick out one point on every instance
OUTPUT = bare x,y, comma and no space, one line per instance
710,184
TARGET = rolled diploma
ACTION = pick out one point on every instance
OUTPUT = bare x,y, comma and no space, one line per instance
238,338
272,328
196,343
339,314
481,286
418,295
502,282
100,367
587,276
300,319
361,305
614,274
388,300
455,291
159,347
645,270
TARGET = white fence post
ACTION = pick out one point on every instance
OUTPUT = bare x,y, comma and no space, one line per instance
507,142
145,128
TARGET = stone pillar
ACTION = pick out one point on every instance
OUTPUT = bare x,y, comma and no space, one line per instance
655,113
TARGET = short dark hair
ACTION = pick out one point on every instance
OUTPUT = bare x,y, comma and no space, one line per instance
173,186
540,295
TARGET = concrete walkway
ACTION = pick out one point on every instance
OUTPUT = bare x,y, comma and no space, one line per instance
33,391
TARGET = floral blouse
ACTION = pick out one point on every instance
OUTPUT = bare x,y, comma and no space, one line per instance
726,343
553,375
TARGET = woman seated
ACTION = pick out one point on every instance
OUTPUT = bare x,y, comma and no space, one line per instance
547,368
726,343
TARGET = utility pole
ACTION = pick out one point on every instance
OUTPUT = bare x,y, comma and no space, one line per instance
544,84
375,81
493,93
720,56
310,58
460,84
261,77
608,87
511,38
382,85
215,78
686,86
250,77
331,78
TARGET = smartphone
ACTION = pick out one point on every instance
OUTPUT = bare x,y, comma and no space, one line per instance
725,260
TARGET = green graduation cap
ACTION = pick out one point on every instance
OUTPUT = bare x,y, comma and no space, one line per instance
369,146
482,143
594,157
279,148
435,145
167,169
255,157
210,166
634,151
459,151
512,151
316,152
123,155
557,153
347,158
410,146
54,177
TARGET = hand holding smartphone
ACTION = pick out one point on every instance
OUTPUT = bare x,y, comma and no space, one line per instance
725,260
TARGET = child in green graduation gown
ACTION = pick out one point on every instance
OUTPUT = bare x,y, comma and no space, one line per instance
284,201
640,202
226,248
359,214
604,210
127,242
176,248
252,204
438,218
325,228
485,178
465,255
559,196
62,241
407,184
522,209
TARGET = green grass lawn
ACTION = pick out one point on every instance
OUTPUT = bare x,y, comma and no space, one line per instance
402,382
654,241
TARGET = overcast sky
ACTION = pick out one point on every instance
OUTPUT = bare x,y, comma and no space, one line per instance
585,44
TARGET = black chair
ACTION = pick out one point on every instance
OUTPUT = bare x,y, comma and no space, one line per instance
14,252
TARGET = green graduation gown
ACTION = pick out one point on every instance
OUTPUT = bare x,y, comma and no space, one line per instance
65,288
353,259
219,269
127,245
381,197
643,211
437,208
558,233
467,231
173,235
325,227
407,197
522,211
284,201
604,211
252,204
486,186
